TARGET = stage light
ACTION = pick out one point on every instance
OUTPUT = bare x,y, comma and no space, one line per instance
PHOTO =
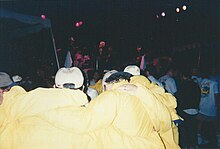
80,22
43,17
184,7
77,24
177,10
163,14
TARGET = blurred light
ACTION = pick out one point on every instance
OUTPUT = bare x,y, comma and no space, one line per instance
157,16
163,14
77,24
177,10
43,17
81,22
184,7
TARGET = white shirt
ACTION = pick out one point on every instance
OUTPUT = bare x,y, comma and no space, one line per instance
169,84
207,104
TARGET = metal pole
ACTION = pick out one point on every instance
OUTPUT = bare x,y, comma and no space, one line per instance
54,46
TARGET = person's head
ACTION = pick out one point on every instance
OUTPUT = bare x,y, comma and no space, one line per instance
133,69
5,84
101,44
69,78
185,75
106,75
115,78
150,70
96,75
139,48
195,71
170,72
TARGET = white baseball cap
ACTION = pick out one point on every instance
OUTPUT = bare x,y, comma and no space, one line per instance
107,74
71,75
133,69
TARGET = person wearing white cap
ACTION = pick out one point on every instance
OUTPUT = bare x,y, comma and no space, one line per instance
106,75
69,78
133,69
22,125
74,78
114,120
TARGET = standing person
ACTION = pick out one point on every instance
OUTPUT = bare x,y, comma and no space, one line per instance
22,125
111,59
208,111
159,113
168,81
165,98
118,119
100,63
138,55
188,97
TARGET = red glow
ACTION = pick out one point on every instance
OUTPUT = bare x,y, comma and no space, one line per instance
43,17
77,24
81,22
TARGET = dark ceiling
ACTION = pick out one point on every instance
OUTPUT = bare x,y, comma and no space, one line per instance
128,21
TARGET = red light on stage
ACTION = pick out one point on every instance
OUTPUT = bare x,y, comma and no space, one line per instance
77,24
43,17
81,22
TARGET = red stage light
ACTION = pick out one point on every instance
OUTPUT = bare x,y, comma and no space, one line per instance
81,22
77,24
43,17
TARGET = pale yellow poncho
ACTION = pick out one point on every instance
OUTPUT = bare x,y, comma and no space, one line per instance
166,99
55,119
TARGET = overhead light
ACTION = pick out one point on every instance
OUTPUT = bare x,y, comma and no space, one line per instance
184,7
177,9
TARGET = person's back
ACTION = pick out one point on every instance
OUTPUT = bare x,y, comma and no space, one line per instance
188,95
166,99
188,98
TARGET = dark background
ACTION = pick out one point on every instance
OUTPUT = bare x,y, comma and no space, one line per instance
123,24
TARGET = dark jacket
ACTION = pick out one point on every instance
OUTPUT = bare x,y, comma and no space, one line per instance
188,95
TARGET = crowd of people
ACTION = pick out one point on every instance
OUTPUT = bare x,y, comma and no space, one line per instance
107,106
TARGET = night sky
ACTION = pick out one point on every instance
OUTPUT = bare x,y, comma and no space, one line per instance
124,24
